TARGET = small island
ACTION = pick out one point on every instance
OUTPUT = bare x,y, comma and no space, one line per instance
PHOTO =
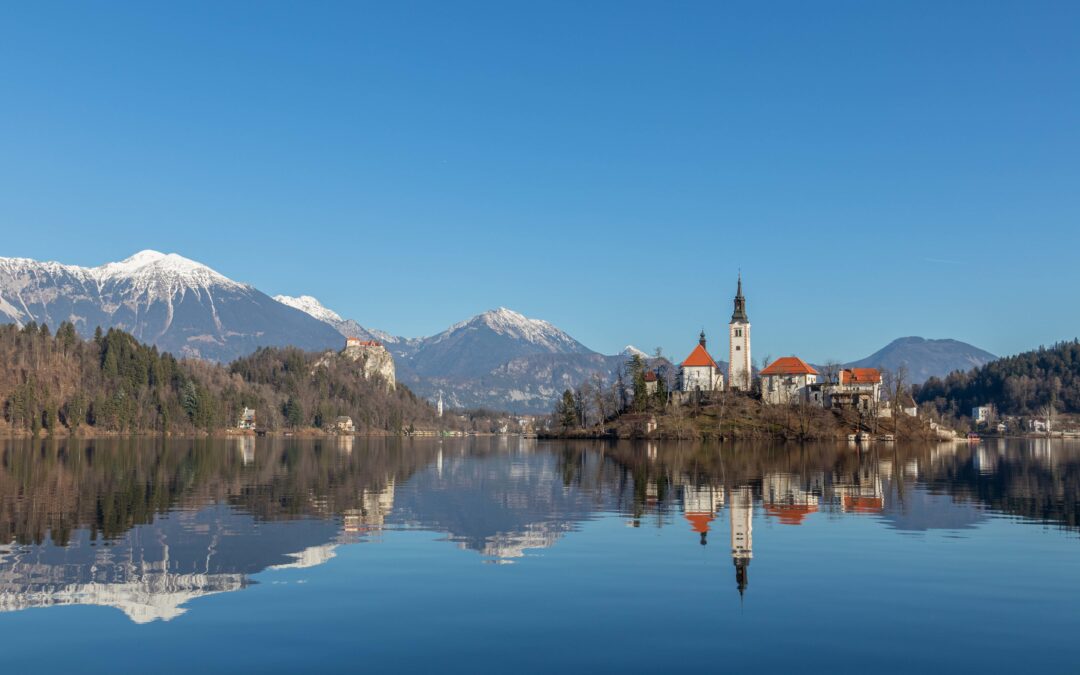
787,399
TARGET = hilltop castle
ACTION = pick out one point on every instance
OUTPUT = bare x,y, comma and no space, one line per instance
374,358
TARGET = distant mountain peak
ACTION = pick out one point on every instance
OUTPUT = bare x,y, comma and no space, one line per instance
168,270
925,357
515,325
310,305
631,350
166,299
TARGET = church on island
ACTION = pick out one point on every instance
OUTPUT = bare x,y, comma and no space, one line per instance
699,372
786,380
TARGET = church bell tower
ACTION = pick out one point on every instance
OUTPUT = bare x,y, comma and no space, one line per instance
739,371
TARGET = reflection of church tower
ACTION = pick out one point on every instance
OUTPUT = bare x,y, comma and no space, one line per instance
739,372
742,533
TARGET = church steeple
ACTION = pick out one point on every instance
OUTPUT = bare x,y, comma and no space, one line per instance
742,574
701,338
739,315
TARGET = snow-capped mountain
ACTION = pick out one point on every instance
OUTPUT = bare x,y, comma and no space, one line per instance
500,358
474,347
347,327
180,305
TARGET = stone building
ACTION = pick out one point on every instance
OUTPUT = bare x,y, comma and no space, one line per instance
855,388
652,382
699,371
740,372
787,380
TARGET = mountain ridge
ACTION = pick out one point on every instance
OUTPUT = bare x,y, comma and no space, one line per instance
174,303
497,358
925,357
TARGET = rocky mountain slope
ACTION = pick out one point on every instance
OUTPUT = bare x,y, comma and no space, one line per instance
499,359
346,327
163,299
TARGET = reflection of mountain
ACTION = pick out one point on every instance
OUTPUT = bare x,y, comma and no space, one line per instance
147,526
153,570
500,504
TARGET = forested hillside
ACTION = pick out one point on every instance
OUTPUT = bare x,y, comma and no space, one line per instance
1017,385
113,383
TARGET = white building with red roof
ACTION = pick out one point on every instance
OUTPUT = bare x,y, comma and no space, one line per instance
787,380
699,371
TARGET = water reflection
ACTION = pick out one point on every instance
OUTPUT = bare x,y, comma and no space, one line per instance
147,526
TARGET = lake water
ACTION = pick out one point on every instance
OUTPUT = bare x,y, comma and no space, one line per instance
503,555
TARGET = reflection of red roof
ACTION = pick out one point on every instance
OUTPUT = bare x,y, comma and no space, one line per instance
699,357
790,514
860,376
699,522
864,504
650,376
789,365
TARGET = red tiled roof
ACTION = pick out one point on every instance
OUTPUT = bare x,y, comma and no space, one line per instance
650,376
789,365
699,522
790,514
699,357
864,504
860,376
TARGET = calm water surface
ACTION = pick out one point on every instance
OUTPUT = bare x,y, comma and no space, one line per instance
500,555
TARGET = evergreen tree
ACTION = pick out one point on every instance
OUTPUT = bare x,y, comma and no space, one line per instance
294,415
636,367
566,410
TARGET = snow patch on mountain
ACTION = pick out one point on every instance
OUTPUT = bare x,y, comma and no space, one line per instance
310,305
166,299
511,324
631,350
347,327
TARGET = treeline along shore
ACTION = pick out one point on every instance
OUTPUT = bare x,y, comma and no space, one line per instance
731,415
58,383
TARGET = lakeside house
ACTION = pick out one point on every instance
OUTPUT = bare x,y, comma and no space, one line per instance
344,424
247,421
857,389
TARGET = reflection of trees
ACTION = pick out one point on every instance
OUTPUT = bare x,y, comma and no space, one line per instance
1025,479
51,488
55,487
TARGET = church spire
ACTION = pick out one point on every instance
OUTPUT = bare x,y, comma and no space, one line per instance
701,338
739,315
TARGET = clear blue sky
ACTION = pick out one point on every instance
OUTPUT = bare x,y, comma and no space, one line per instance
877,169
